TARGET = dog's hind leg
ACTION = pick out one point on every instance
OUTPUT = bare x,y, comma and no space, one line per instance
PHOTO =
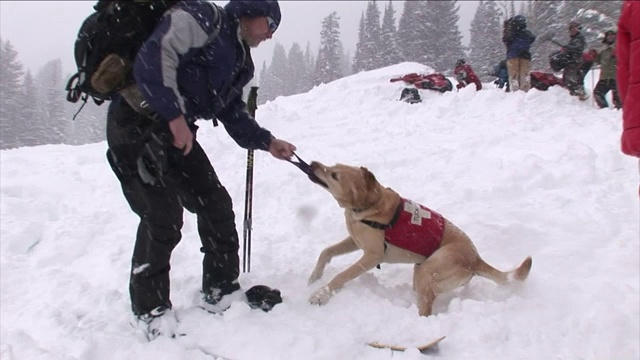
501,277
446,269
343,247
425,302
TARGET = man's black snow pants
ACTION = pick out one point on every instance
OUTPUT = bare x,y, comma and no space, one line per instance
600,93
573,78
188,182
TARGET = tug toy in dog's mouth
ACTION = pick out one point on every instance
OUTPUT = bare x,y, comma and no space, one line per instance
306,168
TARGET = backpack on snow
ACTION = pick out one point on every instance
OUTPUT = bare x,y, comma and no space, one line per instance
106,46
558,60
410,95
437,82
543,81
433,81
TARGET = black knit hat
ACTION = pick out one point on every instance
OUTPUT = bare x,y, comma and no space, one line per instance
255,8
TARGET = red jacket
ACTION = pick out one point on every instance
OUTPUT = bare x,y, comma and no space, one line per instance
465,75
628,74
465,72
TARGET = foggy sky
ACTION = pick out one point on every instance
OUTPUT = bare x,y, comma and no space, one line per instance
45,30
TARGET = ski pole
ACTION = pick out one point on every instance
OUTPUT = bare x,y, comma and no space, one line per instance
593,98
252,105
556,42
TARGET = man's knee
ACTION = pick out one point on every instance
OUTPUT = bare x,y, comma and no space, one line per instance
217,204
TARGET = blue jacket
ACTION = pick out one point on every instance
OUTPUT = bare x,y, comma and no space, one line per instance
517,42
179,70
500,71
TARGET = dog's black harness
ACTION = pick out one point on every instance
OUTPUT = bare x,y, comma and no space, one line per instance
378,226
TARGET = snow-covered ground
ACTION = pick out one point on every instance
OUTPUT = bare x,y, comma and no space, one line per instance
536,173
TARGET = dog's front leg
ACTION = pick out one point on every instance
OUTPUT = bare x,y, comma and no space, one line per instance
343,247
367,262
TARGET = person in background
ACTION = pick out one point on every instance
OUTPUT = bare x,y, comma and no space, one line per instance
607,81
184,76
500,71
465,75
573,74
628,75
518,41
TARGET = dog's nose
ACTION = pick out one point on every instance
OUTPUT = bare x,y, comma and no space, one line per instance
316,165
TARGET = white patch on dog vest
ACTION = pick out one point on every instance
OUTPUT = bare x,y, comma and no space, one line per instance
417,213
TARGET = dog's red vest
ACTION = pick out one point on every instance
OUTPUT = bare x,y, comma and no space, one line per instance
418,229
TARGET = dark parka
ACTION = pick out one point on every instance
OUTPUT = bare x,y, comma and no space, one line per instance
170,67
574,48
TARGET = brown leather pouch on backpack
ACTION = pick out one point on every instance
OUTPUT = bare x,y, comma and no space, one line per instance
111,74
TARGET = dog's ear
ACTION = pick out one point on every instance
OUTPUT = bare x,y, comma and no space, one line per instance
369,178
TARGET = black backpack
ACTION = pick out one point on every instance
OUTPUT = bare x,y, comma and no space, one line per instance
106,46
558,60
410,95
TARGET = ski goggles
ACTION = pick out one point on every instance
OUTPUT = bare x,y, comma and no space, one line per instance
273,25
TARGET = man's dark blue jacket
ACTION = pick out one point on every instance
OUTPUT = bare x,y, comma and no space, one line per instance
517,42
181,71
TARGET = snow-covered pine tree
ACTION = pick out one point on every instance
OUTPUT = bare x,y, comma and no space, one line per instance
389,52
12,129
263,82
612,8
31,114
50,83
507,8
412,31
358,58
543,23
371,45
328,62
345,61
273,83
444,37
310,66
486,47
296,70
279,68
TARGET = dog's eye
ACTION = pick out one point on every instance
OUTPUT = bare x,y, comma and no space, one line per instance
334,175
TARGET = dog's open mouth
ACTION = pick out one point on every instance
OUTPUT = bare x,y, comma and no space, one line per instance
308,169
317,180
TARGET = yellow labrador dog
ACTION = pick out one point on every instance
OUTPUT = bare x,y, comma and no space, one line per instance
390,229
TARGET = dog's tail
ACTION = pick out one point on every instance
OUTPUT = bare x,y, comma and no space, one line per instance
501,277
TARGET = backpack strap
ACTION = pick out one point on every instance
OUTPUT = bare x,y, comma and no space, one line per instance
217,20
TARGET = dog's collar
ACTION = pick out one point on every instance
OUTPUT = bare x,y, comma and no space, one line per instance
378,226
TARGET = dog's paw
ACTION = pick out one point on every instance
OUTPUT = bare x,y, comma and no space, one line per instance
321,296
315,276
